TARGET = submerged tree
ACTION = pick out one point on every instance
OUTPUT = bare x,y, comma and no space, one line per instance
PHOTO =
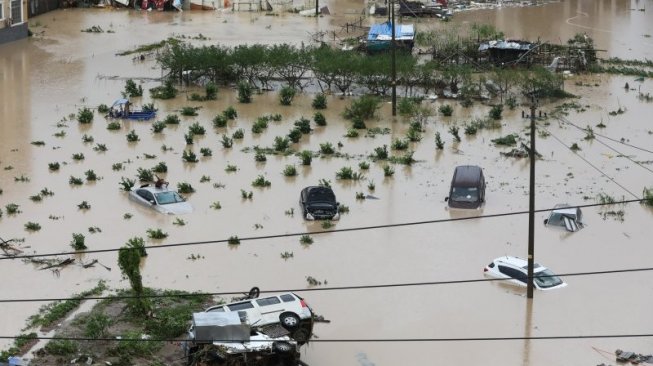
129,261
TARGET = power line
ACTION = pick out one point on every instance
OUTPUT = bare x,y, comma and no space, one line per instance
336,288
590,164
608,137
350,340
606,145
277,236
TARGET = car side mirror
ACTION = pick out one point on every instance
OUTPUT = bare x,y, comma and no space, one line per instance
337,203
546,221
446,199
152,202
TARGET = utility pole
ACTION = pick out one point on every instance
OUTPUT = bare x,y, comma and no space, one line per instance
531,205
394,63
317,8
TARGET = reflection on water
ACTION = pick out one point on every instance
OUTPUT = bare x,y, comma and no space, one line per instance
46,79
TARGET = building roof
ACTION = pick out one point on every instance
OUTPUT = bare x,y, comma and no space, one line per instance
383,32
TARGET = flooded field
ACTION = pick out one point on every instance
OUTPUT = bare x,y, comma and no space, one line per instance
46,78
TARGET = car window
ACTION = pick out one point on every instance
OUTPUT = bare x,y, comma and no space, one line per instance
464,194
268,301
546,279
218,309
513,273
240,306
145,194
287,298
321,195
168,197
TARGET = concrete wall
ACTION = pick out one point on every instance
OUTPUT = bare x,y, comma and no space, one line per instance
13,33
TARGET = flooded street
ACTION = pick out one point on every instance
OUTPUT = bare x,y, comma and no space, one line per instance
48,77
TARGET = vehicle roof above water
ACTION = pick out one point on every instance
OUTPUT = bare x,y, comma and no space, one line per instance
320,192
518,262
467,176
153,189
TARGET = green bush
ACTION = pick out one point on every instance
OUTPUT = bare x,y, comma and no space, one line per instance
97,326
364,107
508,140
189,111
327,148
157,127
290,171
85,116
446,110
172,119
319,119
286,95
166,91
220,121
244,92
230,113
320,101
132,90
281,143
295,135
496,111
304,125
306,156
260,181
61,347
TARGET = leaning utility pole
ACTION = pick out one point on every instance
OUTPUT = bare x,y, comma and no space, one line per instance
531,205
394,63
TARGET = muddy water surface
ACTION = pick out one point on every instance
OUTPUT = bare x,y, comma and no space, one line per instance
46,78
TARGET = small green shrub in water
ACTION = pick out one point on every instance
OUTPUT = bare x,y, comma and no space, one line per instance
295,135
399,144
304,125
306,157
347,173
290,171
189,138
230,168
453,130
161,167
85,139
53,166
132,136
260,157
103,108
388,171
281,143
327,148
12,209
364,107
189,111
78,242
85,116
126,184
165,91
319,119
132,90
319,102
189,156
172,119
286,95
246,195
647,193
78,156
233,240
145,175
184,187
91,176
439,144
206,152
446,110
352,132
196,129
219,121
363,165
75,181
244,92
496,111
358,123
32,226
230,113
381,153
113,126
508,140
306,240
158,126
227,142
157,234
260,181
239,134
84,206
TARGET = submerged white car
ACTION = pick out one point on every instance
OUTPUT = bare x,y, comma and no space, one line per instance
161,199
515,271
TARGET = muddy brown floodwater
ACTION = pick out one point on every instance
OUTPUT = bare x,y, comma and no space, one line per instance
46,78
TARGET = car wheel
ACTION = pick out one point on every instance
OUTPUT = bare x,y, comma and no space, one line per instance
301,335
290,321
282,347
254,293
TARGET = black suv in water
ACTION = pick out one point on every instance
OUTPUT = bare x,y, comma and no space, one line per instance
319,203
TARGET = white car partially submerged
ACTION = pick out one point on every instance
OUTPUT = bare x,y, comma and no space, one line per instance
161,199
563,215
515,271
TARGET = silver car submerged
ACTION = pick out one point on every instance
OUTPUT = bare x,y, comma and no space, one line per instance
161,200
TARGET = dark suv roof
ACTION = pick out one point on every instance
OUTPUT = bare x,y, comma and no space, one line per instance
467,176
319,194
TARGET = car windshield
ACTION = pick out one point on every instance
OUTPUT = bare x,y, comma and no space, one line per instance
546,279
321,195
165,198
465,194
